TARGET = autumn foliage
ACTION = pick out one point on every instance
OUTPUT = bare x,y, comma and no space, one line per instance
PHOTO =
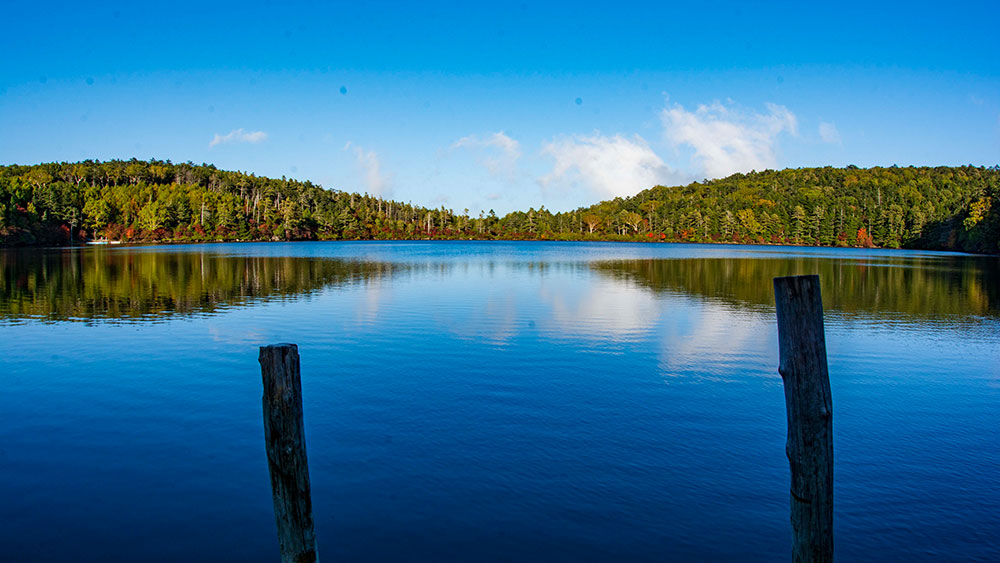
864,239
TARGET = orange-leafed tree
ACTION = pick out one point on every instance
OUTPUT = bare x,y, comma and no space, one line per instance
865,239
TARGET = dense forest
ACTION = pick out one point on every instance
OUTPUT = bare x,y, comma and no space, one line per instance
955,208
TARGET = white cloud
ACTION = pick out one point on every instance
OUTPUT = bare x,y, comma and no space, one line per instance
238,136
377,183
608,166
505,151
726,140
829,133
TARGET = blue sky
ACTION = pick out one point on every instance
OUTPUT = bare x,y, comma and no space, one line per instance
506,105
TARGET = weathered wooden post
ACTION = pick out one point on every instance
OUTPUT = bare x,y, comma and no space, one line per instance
284,440
803,369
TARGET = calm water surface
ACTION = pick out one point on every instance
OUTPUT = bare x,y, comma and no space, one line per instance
490,401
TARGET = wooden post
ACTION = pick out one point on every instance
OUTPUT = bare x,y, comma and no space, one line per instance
803,369
284,440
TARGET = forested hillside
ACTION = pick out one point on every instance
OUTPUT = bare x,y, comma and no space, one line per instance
954,208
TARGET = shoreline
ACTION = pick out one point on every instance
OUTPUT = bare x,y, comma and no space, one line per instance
125,244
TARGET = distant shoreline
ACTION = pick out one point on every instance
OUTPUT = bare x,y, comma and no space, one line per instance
134,244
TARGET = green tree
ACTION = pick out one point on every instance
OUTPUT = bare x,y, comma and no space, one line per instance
748,222
632,219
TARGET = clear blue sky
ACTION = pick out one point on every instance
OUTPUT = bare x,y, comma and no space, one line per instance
505,105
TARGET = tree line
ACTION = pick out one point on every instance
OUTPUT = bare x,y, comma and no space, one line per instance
955,208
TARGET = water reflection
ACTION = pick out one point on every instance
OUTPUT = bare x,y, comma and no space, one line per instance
604,310
141,286
938,288
148,284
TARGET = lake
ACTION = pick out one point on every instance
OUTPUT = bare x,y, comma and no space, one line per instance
490,401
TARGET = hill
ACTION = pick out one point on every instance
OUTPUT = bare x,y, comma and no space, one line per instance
955,208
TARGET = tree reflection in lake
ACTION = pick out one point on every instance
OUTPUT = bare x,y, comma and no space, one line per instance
142,284
921,287
118,284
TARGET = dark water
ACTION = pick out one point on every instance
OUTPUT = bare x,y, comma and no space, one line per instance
490,401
